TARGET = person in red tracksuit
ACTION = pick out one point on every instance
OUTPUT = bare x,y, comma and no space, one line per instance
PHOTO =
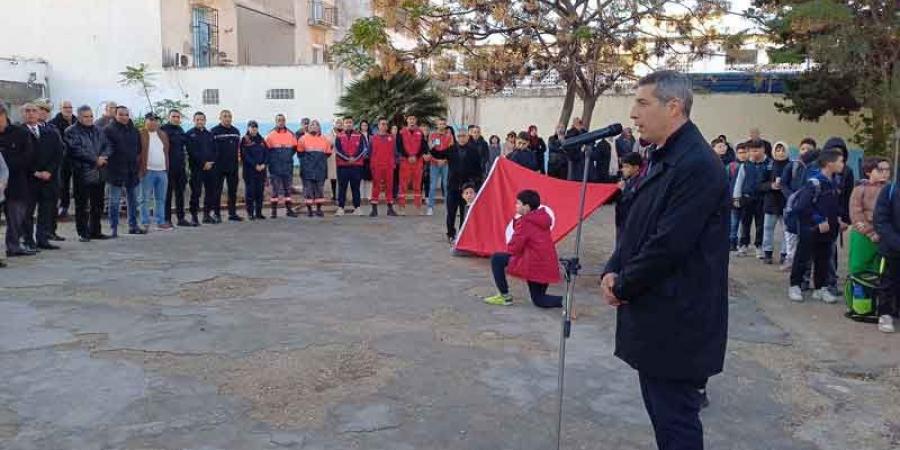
381,162
350,151
412,146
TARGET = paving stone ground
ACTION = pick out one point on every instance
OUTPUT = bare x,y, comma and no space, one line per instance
356,333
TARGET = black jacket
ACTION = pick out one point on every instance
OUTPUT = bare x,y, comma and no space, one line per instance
525,158
887,222
818,202
254,151
49,152
16,146
465,165
201,148
61,123
124,151
484,152
774,201
177,147
228,140
85,145
672,263
558,161
539,149
598,171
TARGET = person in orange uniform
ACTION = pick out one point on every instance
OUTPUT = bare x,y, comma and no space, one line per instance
414,151
282,144
315,150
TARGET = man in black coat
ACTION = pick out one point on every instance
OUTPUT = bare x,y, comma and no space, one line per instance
123,171
465,166
668,276
177,168
65,118
44,182
228,141
201,150
17,150
87,148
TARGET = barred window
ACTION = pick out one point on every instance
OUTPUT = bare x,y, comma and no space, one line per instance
210,96
280,94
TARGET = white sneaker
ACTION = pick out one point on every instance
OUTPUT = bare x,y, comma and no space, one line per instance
826,296
742,251
795,294
339,212
429,211
401,211
886,324
359,212
760,254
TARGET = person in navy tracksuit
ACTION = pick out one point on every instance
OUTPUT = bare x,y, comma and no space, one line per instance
202,159
255,156
228,141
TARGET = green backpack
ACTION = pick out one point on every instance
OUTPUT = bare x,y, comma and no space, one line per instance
861,294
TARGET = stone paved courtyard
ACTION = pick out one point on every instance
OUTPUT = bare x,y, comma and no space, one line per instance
355,333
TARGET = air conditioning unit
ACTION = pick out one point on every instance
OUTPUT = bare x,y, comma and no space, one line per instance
184,61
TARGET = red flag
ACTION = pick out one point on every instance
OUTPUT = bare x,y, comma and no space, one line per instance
488,226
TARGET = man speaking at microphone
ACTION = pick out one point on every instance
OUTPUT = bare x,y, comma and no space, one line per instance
668,277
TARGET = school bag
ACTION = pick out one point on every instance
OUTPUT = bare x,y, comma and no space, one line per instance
861,293
791,218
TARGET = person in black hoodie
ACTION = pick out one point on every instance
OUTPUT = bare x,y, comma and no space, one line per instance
748,195
18,152
255,153
48,156
201,150
123,171
465,166
228,141
481,145
65,118
558,162
844,182
86,147
178,141
774,202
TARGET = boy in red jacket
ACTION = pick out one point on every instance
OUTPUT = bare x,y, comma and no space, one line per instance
412,146
381,161
532,255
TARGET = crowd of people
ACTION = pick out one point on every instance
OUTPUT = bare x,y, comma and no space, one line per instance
160,170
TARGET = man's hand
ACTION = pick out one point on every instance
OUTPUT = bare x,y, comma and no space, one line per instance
208,165
737,203
411,159
101,161
606,288
843,225
260,167
426,158
824,227
621,185
875,237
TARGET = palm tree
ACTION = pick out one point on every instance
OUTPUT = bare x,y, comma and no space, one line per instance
139,76
393,98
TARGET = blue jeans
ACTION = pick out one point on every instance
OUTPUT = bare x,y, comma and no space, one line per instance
735,224
154,184
115,198
437,174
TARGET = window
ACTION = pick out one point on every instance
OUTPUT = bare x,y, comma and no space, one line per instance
280,94
205,30
210,96
318,55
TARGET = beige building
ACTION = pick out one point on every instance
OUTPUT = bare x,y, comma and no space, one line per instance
208,33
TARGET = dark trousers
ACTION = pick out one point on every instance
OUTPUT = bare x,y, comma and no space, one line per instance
65,186
46,198
674,410
396,189
88,208
175,191
752,213
254,188
455,208
812,249
353,177
196,181
231,178
538,291
212,197
889,292
15,223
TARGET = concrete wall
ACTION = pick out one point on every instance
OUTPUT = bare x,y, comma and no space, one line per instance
729,114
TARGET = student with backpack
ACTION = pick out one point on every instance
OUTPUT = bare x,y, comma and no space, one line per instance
748,196
773,202
863,255
887,227
731,170
816,209
792,178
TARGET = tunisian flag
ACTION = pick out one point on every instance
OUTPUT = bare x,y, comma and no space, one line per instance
488,226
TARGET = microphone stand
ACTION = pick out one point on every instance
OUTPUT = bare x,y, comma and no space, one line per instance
571,267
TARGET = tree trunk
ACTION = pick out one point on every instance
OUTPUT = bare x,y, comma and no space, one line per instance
568,103
587,111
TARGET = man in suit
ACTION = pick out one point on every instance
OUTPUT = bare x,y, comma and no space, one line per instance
17,150
44,180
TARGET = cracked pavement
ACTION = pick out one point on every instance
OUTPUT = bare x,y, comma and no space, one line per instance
356,333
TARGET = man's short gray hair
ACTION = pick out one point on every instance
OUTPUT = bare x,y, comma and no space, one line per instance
84,109
671,85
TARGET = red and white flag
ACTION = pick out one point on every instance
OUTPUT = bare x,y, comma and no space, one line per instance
488,226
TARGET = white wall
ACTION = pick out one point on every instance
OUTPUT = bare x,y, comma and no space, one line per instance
86,43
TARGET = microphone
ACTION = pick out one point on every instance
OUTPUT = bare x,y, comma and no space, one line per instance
589,138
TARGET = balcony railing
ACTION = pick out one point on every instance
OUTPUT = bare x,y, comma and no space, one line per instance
322,14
